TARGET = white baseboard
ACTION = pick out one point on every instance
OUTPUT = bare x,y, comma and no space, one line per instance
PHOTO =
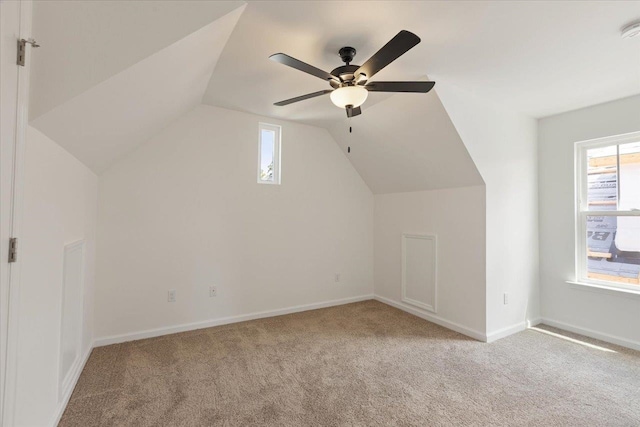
624,342
505,332
433,318
534,322
150,333
513,329
62,403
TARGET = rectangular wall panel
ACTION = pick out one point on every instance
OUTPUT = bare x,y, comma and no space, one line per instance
419,270
72,312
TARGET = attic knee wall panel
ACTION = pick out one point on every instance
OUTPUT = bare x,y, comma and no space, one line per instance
71,313
457,217
419,270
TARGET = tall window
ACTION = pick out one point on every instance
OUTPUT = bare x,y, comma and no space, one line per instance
608,211
269,154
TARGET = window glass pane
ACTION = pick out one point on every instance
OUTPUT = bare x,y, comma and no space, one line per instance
629,176
602,178
613,245
267,154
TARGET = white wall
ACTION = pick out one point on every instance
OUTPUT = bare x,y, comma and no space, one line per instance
605,314
457,217
503,145
60,207
184,212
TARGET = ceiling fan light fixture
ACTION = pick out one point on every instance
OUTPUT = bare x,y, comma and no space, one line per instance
349,95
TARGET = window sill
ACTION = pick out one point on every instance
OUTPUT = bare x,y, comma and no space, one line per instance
611,290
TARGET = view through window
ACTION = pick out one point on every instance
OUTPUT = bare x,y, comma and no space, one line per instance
269,154
610,215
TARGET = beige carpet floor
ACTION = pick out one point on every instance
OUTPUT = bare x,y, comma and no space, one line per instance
363,364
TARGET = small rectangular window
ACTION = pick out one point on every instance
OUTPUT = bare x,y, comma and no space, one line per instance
608,211
269,154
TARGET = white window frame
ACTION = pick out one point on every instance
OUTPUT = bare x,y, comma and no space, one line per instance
277,173
582,208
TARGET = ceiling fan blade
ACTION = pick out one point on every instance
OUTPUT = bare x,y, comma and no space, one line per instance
352,112
419,87
401,43
302,98
302,66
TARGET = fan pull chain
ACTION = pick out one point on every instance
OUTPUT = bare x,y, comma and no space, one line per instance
350,131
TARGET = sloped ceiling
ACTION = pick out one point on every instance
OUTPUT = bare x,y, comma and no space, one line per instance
419,150
110,74
113,117
86,42
537,57
314,32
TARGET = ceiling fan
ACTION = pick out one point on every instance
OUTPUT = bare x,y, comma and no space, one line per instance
351,83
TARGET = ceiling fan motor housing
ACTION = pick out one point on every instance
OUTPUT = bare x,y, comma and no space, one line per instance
347,53
345,74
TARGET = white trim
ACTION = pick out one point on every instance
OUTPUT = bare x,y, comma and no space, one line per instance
405,299
624,342
533,322
623,138
433,318
606,288
65,382
150,333
610,213
505,332
582,211
76,371
277,150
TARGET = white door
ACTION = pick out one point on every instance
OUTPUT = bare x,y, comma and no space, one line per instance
14,93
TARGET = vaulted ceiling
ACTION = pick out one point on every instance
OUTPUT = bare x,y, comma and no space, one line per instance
111,74
87,42
111,118
417,151
536,57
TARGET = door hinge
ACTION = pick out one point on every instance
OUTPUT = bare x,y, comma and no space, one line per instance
13,249
22,49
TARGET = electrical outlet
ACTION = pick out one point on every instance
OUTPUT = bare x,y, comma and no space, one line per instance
506,298
213,291
171,297
336,277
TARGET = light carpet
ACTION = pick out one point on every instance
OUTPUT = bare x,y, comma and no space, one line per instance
362,364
